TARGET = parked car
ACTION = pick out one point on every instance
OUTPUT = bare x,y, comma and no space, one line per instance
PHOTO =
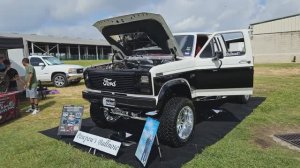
154,74
51,69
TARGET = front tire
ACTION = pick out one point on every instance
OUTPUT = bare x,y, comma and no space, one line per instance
177,122
60,80
101,116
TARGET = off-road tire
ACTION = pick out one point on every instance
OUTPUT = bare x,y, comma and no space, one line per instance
61,76
167,130
97,115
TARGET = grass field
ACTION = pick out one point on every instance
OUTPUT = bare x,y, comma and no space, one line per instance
248,145
86,63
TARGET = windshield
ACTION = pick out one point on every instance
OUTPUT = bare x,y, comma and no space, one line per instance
52,61
186,43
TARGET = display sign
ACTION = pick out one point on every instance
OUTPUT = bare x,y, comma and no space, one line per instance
70,121
102,144
146,141
8,106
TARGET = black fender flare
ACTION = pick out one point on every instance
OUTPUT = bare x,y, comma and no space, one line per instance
166,91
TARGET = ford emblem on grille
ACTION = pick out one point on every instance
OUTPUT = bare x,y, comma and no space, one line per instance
109,82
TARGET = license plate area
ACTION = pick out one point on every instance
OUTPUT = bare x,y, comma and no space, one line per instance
109,102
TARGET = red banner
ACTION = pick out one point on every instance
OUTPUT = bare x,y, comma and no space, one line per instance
8,107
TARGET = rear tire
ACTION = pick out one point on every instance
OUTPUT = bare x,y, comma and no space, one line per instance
60,80
101,117
177,122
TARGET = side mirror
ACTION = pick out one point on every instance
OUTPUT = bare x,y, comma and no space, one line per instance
218,55
41,64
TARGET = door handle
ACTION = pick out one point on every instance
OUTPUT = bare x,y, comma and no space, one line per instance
244,62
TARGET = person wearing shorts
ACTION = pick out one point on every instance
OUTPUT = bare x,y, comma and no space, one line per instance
31,86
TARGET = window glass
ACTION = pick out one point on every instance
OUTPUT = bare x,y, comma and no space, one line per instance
235,43
35,61
207,52
186,43
52,61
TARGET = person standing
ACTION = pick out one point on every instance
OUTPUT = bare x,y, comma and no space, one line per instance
13,76
31,86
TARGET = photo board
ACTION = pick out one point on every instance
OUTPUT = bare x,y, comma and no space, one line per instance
71,119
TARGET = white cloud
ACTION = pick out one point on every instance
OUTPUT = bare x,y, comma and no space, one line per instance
193,15
274,9
75,17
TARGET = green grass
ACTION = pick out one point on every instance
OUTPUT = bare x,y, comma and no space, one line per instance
279,66
22,145
86,63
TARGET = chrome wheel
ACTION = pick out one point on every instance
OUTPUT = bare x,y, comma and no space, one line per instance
59,81
185,122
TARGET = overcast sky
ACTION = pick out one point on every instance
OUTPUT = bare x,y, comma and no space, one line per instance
75,17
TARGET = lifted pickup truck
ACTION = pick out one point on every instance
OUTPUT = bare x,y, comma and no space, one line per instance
154,73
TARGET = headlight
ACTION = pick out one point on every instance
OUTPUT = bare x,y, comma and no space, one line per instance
144,79
72,71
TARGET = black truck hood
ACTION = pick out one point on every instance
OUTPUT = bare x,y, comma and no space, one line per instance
135,31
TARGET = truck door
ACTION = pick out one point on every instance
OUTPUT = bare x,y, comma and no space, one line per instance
237,64
40,68
232,72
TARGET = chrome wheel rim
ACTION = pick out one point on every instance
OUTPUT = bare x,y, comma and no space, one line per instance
59,81
109,117
185,122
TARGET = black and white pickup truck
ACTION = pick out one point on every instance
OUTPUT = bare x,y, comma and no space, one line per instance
155,73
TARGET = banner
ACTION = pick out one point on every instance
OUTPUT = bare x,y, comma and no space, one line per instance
103,144
8,106
70,121
146,141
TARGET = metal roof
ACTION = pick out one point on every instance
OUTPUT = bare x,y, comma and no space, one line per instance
270,20
56,39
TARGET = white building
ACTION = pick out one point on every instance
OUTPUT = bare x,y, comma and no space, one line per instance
276,40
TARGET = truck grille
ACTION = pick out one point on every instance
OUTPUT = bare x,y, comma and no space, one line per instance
126,82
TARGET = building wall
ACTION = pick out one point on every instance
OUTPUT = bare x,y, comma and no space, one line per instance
281,25
276,41
276,47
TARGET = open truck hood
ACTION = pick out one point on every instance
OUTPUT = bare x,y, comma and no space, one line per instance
136,31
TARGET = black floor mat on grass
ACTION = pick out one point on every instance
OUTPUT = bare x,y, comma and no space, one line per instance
209,129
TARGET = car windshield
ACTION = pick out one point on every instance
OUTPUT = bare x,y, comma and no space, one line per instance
186,43
52,61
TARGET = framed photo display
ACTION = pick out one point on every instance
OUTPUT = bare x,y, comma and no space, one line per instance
70,121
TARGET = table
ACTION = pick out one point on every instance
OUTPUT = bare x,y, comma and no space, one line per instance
9,106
